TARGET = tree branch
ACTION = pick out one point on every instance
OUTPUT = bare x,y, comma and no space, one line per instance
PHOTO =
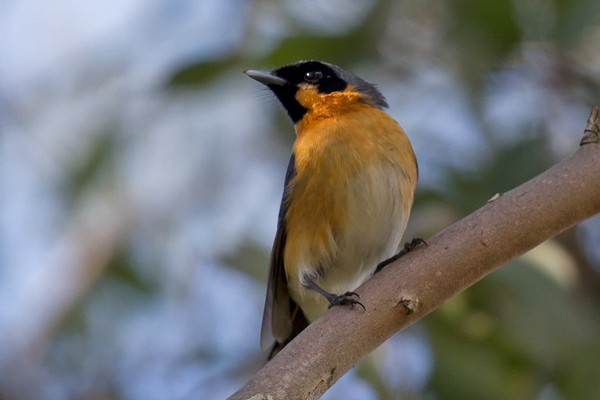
421,281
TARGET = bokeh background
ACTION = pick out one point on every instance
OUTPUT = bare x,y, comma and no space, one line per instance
141,172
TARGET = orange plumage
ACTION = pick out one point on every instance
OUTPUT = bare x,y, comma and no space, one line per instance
347,198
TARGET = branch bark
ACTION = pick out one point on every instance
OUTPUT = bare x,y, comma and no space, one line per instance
421,281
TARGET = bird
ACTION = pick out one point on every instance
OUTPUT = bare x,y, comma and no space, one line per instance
348,193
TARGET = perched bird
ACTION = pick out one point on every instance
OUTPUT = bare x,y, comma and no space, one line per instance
347,196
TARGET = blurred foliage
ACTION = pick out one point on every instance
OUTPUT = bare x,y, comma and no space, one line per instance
203,72
484,33
509,166
521,333
251,259
572,20
121,269
89,167
511,335
302,45
518,334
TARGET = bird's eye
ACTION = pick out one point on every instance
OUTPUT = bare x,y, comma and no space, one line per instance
313,76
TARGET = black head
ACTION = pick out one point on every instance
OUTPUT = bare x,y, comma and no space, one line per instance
287,81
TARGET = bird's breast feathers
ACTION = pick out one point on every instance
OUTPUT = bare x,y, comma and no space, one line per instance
350,199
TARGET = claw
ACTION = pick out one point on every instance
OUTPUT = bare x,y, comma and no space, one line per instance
408,247
346,298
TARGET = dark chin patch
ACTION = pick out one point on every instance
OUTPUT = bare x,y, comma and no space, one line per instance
287,96
332,85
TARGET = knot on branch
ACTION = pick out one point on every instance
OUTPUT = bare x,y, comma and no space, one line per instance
410,304
591,134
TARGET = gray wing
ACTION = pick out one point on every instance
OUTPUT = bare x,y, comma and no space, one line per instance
279,307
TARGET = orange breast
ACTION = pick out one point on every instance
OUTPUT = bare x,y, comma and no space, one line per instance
330,153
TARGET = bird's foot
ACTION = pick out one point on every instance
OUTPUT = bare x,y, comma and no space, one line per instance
408,247
348,298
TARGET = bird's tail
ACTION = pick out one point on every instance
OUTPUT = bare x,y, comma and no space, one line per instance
299,322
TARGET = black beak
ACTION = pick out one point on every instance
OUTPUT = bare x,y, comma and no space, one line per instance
265,77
